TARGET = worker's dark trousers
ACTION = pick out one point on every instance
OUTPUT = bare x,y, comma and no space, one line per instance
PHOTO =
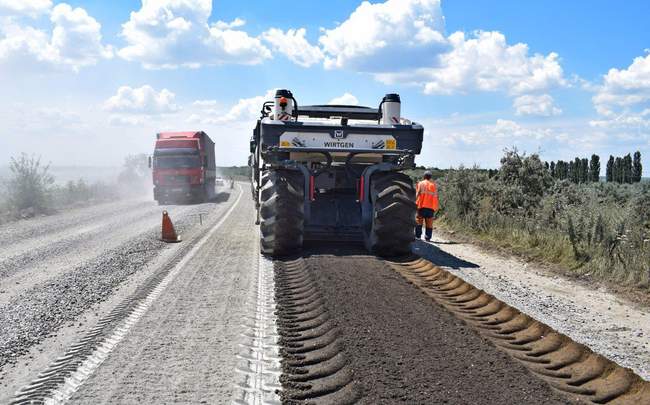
424,217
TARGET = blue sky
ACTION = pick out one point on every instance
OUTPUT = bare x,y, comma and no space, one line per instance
87,82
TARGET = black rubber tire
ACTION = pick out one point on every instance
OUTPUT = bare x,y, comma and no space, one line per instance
200,197
393,214
281,212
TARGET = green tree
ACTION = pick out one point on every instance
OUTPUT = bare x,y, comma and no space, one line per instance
30,183
584,170
135,171
637,168
577,170
609,169
618,170
564,173
594,168
627,169
552,170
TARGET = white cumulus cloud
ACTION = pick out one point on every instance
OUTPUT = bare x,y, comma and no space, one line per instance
294,46
403,42
345,99
75,41
143,100
381,37
497,136
532,104
245,110
173,33
484,62
30,8
76,36
224,25
623,99
625,87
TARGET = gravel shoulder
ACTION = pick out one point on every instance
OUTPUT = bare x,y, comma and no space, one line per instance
608,324
59,297
184,348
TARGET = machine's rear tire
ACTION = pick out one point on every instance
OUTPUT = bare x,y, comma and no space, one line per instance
393,214
282,212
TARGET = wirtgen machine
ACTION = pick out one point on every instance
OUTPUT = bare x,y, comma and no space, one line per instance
333,172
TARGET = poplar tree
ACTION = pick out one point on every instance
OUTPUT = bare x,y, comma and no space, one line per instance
637,168
553,170
584,170
627,169
594,168
609,169
577,170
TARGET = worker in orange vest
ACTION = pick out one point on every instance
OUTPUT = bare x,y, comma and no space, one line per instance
427,202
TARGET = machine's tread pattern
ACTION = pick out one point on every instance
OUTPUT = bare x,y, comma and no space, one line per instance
393,218
569,367
282,212
315,368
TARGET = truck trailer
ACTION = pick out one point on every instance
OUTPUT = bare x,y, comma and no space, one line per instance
183,167
334,172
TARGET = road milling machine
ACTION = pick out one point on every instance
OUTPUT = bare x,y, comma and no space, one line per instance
334,172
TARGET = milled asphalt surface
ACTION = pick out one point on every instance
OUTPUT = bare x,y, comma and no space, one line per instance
406,349
608,324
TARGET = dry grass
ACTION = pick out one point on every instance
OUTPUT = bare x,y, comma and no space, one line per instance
598,229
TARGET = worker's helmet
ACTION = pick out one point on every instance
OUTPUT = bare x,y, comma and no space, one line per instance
427,175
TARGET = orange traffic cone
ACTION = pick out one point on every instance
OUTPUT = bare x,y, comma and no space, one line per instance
168,232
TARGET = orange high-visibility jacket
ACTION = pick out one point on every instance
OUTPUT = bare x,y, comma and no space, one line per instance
427,195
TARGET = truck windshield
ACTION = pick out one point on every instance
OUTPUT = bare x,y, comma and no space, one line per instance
173,162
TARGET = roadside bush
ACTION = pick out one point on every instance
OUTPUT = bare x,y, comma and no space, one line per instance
30,184
31,190
600,229
75,193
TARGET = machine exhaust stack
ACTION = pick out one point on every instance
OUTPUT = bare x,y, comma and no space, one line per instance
390,109
283,106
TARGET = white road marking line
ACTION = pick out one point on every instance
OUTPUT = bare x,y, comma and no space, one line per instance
90,365
261,351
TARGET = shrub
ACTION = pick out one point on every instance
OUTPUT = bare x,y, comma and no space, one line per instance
602,229
29,185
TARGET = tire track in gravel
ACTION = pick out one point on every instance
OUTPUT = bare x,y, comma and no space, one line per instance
35,313
17,232
17,246
48,253
402,347
39,266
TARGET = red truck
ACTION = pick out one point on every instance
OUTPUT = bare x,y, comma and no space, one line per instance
183,167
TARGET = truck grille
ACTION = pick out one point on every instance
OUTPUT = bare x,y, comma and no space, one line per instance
179,179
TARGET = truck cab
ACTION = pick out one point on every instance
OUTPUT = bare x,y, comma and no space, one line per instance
183,167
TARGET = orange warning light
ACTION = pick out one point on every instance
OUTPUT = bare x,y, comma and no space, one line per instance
283,102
